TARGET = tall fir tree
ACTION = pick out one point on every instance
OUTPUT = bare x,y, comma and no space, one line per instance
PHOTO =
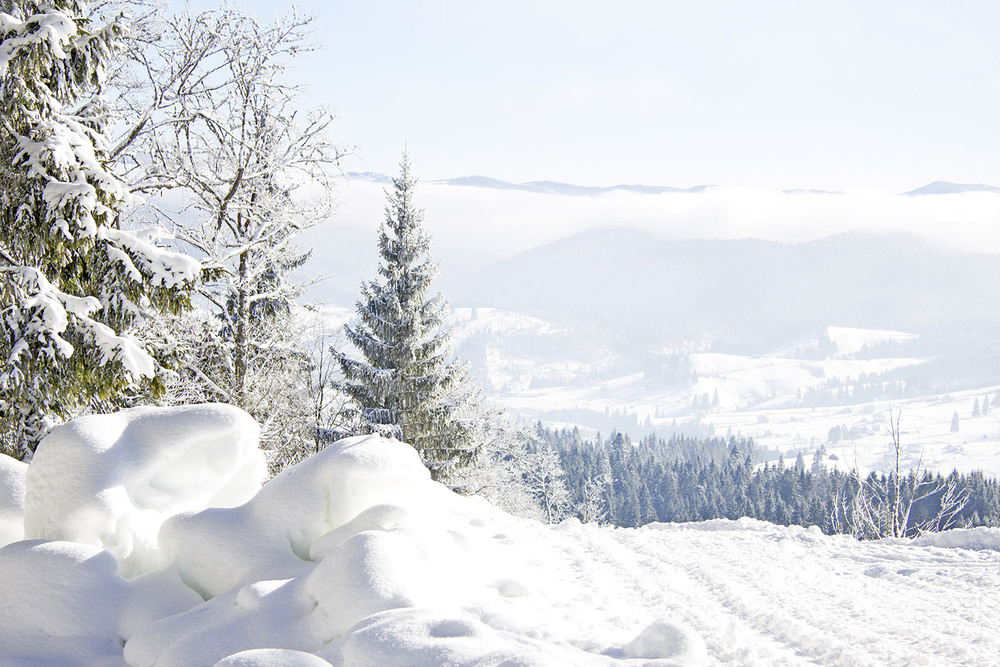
406,385
75,287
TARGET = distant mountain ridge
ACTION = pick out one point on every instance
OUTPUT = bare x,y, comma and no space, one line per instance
542,187
568,189
370,176
572,190
633,282
946,188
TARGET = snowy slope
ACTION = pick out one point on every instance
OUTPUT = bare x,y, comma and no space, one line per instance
355,557
850,340
758,399
533,370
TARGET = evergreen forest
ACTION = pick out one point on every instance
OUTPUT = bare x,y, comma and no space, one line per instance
689,479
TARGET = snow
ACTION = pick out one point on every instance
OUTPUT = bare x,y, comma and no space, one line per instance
272,658
53,26
46,312
355,557
667,639
112,480
303,513
970,538
64,603
164,267
12,474
127,349
851,340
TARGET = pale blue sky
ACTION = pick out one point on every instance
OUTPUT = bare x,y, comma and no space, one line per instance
795,94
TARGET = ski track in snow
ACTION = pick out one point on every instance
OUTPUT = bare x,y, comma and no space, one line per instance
759,594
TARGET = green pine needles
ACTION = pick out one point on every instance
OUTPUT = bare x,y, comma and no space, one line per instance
74,286
406,385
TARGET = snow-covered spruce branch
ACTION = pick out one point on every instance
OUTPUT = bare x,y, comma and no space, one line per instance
76,286
41,314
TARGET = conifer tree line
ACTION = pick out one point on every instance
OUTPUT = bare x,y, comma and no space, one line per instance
687,479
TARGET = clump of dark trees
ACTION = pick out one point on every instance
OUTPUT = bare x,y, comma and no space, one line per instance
687,479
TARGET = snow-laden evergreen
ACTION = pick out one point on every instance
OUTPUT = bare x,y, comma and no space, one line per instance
75,286
406,385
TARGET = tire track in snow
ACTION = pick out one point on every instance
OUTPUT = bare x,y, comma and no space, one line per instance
669,587
769,632
762,594
829,609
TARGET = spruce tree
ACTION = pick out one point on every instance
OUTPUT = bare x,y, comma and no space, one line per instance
406,385
75,287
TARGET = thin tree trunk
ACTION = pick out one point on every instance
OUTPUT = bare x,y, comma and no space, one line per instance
897,501
240,343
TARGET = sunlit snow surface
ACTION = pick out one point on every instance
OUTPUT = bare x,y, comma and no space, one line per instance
354,557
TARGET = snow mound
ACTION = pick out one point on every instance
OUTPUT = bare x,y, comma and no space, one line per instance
327,543
975,539
363,481
668,640
272,658
419,637
12,475
63,603
112,480
353,555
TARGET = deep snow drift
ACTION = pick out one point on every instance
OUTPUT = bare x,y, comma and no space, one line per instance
354,557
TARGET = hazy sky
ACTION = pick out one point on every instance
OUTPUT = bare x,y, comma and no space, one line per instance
792,94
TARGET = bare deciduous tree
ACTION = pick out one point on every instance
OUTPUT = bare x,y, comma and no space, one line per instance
211,132
898,505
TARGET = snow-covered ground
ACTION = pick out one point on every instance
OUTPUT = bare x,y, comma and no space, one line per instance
762,397
354,557
925,422
850,340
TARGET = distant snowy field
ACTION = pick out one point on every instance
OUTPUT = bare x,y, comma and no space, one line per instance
355,557
758,397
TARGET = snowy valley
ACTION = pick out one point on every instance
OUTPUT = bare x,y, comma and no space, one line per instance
799,345
787,404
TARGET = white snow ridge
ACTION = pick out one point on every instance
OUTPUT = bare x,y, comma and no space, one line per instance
139,552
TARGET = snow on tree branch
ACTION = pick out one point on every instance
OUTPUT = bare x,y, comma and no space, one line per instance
76,287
